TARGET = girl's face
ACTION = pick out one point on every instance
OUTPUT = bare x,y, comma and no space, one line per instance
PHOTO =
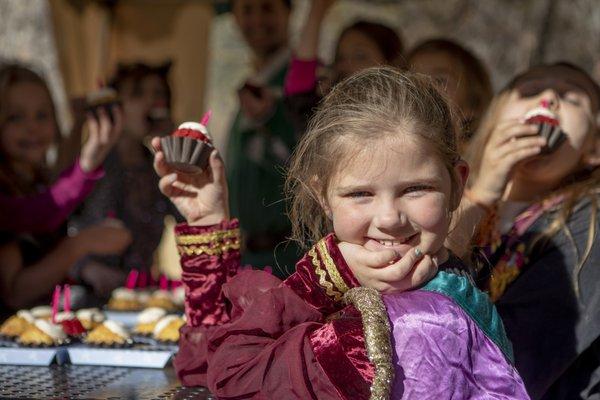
571,107
30,128
139,99
356,52
396,199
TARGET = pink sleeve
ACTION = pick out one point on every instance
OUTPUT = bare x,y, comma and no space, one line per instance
46,211
301,76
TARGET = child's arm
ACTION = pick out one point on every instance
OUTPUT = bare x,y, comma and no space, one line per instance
302,73
46,211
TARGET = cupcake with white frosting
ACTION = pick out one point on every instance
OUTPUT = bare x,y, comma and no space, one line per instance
90,317
167,329
43,333
109,333
124,299
162,298
17,324
147,320
41,312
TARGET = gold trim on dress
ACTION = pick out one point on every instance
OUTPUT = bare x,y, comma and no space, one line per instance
208,237
328,286
213,250
376,328
334,274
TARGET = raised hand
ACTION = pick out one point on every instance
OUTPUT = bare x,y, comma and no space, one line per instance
201,198
103,134
511,142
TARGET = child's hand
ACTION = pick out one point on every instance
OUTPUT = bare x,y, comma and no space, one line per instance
106,238
257,104
201,198
510,143
382,271
103,134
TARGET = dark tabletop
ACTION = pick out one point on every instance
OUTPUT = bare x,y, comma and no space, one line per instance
93,382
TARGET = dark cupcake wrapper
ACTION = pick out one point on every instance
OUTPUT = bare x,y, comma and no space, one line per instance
106,106
186,154
554,135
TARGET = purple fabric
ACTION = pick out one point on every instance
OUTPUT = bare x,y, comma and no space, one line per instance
46,211
440,352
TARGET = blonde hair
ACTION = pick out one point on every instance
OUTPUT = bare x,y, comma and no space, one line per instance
372,104
574,187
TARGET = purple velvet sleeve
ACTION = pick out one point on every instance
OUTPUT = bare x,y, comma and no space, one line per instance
441,353
46,211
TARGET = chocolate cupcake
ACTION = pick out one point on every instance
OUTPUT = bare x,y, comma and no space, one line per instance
188,148
548,127
102,98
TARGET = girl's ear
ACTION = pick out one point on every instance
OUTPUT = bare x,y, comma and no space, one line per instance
461,174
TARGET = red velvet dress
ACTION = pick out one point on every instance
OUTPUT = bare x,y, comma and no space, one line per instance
254,336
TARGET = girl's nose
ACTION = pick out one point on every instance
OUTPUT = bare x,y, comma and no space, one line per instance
389,217
550,100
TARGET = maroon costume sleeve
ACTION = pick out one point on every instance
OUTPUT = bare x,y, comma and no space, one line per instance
277,343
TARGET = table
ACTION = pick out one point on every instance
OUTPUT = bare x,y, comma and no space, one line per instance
93,382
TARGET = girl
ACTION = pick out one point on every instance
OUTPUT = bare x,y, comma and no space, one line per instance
129,189
379,168
30,265
361,45
541,224
460,74
47,210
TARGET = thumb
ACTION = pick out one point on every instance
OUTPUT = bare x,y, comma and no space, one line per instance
379,258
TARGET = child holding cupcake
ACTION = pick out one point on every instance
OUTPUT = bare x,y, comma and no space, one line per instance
33,259
373,184
537,199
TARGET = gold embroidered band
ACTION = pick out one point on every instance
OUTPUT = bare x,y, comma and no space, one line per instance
210,243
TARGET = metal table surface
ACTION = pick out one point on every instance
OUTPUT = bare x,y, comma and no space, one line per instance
93,382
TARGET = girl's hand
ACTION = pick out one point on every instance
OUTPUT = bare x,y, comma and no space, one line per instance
510,143
382,271
201,198
103,134
106,238
102,278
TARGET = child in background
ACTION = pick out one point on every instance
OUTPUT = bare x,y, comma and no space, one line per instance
379,167
47,210
361,45
32,264
539,208
129,190
460,74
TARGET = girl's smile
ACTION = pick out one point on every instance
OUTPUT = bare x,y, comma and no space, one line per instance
395,199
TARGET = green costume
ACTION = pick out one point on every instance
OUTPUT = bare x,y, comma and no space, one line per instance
257,157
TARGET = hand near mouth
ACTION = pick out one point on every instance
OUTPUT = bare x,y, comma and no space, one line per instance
387,272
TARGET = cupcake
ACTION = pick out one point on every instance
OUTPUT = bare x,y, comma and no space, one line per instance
548,127
147,320
109,333
69,323
188,148
17,324
104,97
43,333
90,317
41,312
162,298
124,299
167,329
